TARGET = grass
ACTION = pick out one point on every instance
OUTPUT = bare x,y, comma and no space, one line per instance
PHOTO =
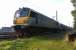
35,43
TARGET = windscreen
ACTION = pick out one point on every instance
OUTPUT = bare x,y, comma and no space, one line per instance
22,13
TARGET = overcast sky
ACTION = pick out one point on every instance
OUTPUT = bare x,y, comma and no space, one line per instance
47,7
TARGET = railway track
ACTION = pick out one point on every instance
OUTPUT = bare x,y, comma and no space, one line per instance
6,35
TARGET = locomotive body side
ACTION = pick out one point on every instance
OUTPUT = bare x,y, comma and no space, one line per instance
27,21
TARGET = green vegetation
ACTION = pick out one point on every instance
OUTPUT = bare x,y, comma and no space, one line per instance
35,43
74,12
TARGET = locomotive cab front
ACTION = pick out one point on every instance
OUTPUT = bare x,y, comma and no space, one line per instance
22,16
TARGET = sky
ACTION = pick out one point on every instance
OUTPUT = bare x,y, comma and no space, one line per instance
46,7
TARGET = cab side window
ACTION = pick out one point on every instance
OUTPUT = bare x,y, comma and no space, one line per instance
33,14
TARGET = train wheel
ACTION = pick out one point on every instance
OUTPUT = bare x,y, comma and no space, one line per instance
27,33
18,33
